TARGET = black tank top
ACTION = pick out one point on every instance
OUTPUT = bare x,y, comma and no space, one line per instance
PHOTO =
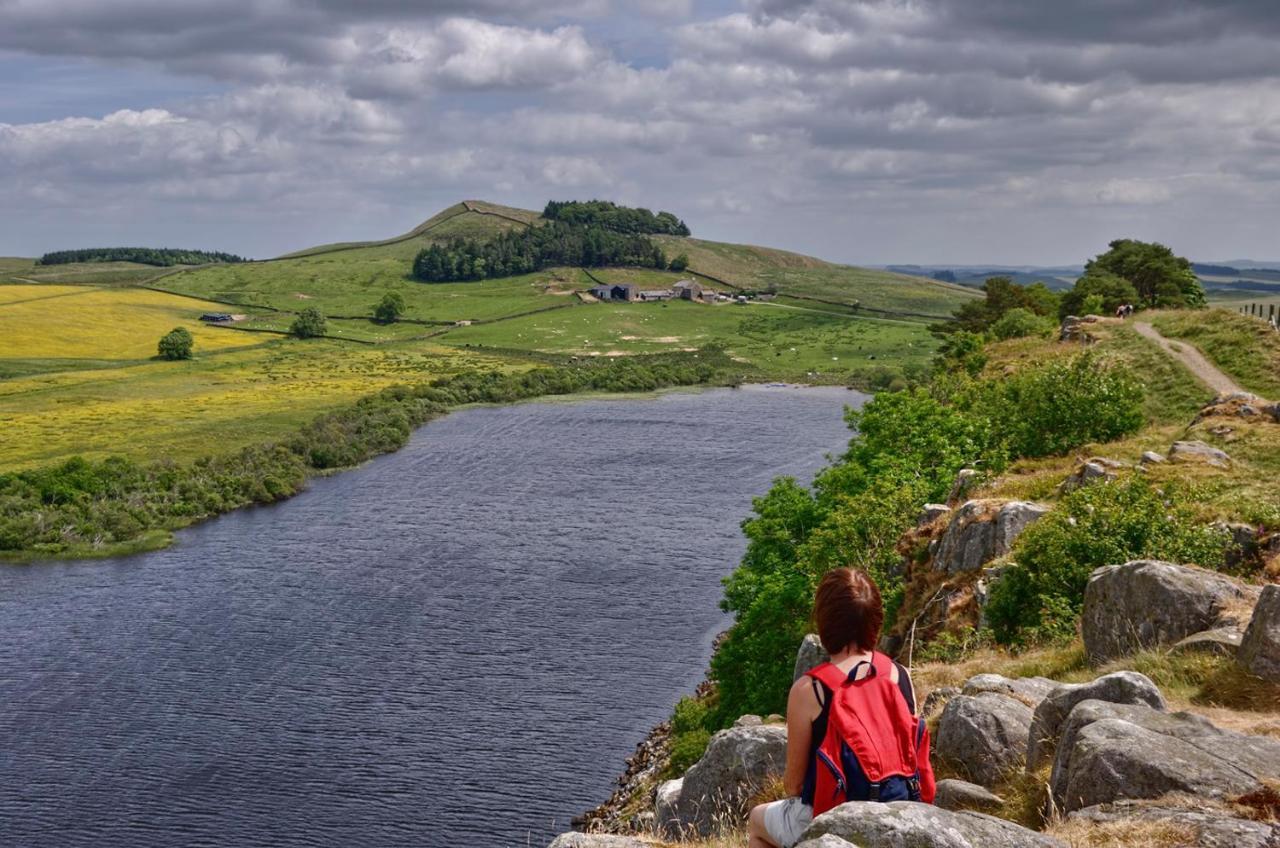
820,727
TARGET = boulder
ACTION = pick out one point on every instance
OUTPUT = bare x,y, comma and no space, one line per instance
1242,547
984,735
937,699
737,764
961,795
1098,469
1199,452
1030,690
1223,641
1152,458
981,531
810,656
904,824
1260,648
1146,603
826,840
1121,687
1111,752
1208,827
931,513
597,840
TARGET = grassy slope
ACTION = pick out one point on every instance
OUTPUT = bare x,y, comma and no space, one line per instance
1244,347
76,375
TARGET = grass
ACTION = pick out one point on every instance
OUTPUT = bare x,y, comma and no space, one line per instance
1244,347
13,270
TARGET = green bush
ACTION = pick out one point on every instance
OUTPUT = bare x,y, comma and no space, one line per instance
389,309
176,344
309,324
1039,597
690,734
1020,322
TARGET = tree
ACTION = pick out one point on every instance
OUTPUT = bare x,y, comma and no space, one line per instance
1003,295
1113,290
1158,276
176,344
680,263
309,324
390,309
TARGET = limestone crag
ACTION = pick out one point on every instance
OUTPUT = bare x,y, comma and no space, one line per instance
981,531
1260,646
1146,603
903,824
714,791
1121,687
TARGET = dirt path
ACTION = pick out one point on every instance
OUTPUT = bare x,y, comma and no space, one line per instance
1204,370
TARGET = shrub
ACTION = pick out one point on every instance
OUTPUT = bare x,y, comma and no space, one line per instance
690,734
1039,597
1020,322
389,309
309,324
176,344
680,263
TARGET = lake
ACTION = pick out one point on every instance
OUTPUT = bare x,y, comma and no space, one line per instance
456,644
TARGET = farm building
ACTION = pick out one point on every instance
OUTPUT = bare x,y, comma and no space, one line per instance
688,290
662,294
216,317
602,291
624,291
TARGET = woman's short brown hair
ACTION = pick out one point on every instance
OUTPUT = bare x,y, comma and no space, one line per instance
848,611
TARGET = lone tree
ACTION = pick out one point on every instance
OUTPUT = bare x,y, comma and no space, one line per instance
176,344
390,309
680,263
308,324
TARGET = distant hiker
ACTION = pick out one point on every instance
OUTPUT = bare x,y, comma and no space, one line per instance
862,701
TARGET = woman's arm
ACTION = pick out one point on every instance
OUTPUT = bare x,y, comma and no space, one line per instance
802,709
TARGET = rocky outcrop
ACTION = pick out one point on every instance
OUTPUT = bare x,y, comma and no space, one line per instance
1208,827
1146,603
1223,641
958,795
598,840
810,656
984,736
715,790
1096,470
966,479
981,531
1121,687
931,513
937,699
1029,690
1260,648
1074,329
1111,752
1199,452
903,824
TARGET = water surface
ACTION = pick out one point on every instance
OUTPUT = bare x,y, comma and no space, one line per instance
457,644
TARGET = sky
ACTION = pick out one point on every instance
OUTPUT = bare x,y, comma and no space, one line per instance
861,131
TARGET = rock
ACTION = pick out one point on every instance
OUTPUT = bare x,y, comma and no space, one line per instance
984,735
1121,687
810,656
749,721
981,531
597,840
904,824
666,806
1029,690
961,795
826,840
1152,458
1197,451
937,699
1260,648
932,512
737,763
1209,828
1110,752
1094,470
1223,641
1243,546
1146,603
966,479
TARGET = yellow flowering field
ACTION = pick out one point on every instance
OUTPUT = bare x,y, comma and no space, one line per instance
88,322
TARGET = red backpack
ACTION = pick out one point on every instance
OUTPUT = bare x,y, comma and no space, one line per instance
875,749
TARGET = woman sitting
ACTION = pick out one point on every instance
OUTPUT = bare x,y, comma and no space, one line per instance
852,733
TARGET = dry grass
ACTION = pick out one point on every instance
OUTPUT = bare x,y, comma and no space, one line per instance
1124,834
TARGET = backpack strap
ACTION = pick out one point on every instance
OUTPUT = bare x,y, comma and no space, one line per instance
830,676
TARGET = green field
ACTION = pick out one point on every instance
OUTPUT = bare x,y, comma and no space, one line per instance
77,341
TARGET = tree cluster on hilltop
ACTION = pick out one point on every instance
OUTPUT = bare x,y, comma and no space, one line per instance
1145,274
610,216
533,249
162,256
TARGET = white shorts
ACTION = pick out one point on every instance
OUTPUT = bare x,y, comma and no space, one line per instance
785,820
